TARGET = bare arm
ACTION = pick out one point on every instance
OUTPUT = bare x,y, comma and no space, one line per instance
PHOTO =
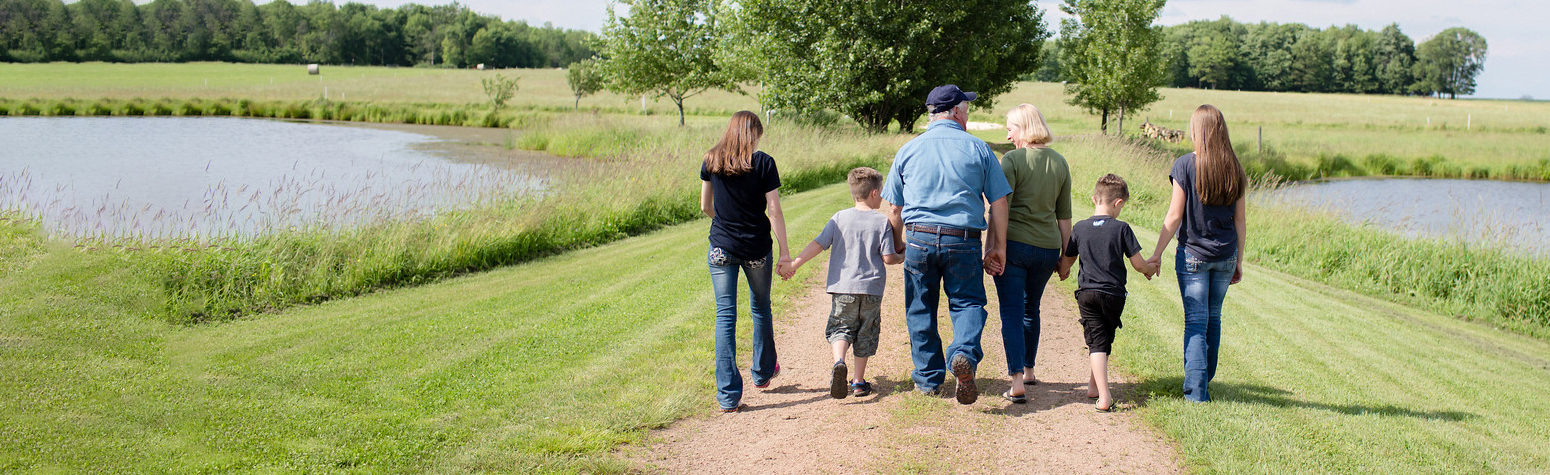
707,200
1171,222
778,222
1065,233
808,253
896,219
892,259
995,244
1240,220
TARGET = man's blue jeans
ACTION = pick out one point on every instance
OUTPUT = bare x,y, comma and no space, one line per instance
934,263
1203,285
723,277
1018,290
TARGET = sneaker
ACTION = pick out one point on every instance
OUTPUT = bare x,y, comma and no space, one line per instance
964,371
860,389
766,383
839,381
933,392
733,410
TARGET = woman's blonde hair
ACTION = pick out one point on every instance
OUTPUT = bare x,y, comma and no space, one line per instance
1030,124
1219,178
733,155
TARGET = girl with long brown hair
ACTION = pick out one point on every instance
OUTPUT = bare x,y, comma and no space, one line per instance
740,192
1209,214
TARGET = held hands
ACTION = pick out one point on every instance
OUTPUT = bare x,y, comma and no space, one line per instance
1065,272
1152,269
995,261
786,268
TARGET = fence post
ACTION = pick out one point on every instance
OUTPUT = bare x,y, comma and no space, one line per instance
1259,146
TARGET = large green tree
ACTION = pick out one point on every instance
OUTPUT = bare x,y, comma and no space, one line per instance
1112,53
665,48
876,60
1448,63
1394,55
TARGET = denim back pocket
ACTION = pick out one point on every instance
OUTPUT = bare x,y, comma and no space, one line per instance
717,257
1190,263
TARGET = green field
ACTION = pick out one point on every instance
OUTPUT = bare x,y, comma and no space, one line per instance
494,339
1305,135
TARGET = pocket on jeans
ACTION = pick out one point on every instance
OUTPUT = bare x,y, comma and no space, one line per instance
717,257
1190,263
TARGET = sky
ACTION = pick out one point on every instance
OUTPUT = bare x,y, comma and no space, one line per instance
1517,60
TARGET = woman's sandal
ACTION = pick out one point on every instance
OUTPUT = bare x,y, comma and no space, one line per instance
1018,399
1112,406
1030,382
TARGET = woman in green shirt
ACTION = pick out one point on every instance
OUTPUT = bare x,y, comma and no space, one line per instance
1039,225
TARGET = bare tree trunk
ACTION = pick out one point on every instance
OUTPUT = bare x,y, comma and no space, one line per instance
680,102
1121,130
1104,126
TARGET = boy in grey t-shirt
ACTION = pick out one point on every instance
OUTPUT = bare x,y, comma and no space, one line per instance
860,242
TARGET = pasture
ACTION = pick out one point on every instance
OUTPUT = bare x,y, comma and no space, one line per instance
541,333
1305,135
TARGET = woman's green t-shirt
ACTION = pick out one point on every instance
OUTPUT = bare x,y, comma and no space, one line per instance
1041,194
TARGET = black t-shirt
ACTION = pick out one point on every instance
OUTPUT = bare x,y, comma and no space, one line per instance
1103,243
1208,232
740,227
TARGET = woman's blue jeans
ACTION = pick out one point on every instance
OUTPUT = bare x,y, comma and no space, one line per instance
1203,285
723,277
1019,289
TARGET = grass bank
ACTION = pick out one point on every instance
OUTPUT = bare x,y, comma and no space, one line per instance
539,367
642,185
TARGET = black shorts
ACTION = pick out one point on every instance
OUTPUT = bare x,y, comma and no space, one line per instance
1100,317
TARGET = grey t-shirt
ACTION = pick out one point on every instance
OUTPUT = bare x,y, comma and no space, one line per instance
857,241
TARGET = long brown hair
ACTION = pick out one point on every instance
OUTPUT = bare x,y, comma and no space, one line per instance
1219,178
733,155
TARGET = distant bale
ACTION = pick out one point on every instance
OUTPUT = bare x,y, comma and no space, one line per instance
1153,131
480,67
312,69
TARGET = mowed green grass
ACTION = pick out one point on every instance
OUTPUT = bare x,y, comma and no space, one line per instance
536,367
1317,379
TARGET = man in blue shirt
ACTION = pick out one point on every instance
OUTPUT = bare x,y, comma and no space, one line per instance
939,184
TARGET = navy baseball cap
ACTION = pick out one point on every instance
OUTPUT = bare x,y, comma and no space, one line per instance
943,98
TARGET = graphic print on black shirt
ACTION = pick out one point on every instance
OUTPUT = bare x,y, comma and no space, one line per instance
740,227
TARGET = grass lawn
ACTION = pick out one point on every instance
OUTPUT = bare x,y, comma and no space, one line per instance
541,366
547,365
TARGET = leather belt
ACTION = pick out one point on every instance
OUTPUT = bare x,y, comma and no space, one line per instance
944,230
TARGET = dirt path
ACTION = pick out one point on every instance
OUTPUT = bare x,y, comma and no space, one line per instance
796,427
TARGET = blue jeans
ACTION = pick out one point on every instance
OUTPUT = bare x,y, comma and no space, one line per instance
933,263
723,277
1203,285
1019,290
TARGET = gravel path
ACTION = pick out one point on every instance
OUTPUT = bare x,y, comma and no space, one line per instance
795,427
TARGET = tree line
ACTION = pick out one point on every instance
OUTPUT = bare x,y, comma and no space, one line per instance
1292,57
874,60
278,32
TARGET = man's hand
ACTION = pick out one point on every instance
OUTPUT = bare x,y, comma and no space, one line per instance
995,261
1065,273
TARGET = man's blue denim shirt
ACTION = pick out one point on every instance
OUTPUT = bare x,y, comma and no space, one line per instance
940,177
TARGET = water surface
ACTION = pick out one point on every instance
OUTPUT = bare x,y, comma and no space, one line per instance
159,177
1511,215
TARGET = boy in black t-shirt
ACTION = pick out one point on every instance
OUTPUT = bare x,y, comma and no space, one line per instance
1103,242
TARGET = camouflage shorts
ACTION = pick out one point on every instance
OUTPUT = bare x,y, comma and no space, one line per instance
856,318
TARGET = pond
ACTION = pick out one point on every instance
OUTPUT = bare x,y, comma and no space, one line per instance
217,177
1512,215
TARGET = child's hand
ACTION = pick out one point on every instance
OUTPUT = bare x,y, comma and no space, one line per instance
785,269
